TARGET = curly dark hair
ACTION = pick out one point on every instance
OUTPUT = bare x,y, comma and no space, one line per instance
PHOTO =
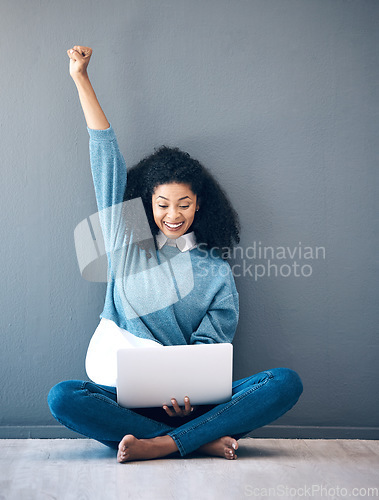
216,224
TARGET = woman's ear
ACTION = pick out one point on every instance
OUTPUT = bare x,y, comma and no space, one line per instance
198,203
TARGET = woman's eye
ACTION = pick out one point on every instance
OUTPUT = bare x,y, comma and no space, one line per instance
165,206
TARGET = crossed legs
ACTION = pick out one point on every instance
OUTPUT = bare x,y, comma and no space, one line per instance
92,410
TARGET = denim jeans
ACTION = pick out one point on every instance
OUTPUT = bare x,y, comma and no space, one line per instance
92,411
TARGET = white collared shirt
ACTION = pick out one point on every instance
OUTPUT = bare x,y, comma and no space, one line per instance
185,242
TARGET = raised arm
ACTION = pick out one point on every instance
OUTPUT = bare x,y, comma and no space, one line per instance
94,115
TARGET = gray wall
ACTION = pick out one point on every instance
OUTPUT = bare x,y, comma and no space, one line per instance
280,99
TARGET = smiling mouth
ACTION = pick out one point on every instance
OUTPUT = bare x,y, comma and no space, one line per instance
173,227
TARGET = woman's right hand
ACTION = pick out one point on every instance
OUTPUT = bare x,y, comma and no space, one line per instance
178,411
79,59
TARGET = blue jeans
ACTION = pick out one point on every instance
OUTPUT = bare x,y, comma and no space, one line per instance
92,410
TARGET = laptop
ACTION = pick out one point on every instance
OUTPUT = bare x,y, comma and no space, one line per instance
150,377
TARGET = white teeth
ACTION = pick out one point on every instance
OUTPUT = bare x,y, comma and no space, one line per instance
173,226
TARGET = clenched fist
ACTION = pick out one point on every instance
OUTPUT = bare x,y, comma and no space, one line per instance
79,59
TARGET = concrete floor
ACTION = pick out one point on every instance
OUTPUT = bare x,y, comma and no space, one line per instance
78,469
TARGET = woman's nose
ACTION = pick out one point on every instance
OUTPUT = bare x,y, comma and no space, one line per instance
173,213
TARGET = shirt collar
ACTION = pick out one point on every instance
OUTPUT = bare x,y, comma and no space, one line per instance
185,242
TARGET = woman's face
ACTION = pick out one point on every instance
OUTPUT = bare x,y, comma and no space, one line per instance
174,207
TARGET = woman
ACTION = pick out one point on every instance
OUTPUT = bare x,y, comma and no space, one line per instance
184,223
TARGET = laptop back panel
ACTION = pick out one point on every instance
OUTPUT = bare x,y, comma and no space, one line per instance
150,377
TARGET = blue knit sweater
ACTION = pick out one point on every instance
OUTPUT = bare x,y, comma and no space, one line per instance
171,297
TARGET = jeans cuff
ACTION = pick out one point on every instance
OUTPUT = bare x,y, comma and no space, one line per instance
181,449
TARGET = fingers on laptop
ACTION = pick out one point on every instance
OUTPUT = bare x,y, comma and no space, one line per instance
178,411
187,405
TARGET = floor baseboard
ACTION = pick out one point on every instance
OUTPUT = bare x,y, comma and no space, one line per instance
269,431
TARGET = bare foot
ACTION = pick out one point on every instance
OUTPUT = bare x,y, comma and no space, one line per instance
223,447
131,448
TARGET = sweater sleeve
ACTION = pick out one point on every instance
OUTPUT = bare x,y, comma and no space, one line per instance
108,167
122,222
220,322
109,177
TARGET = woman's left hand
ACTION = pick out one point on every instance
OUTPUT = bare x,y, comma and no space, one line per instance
177,411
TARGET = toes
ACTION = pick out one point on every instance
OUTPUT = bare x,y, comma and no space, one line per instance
122,456
123,453
233,443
